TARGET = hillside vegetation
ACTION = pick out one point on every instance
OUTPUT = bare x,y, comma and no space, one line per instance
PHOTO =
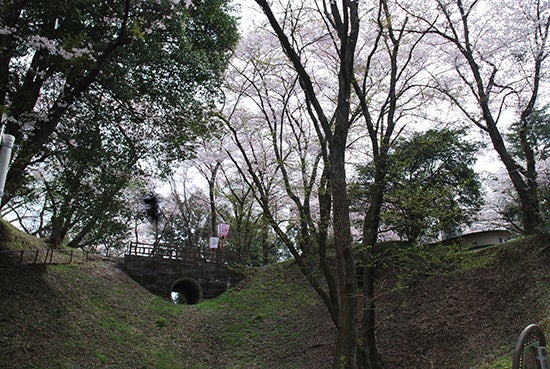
463,313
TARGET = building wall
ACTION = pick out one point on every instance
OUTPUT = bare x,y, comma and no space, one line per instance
484,238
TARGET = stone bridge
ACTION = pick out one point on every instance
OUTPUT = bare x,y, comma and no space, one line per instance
182,276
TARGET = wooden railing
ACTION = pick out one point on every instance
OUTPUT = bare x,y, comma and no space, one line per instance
164,251
42,256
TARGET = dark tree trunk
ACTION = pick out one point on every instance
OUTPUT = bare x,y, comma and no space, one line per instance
57,233
524,182
345,21
370,357
348,330
346,344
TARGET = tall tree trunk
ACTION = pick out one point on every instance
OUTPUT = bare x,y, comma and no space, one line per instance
58,232
346,344
344,17
76,240
370,357
212,197
348,330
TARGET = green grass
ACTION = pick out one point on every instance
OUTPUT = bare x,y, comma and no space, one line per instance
502,362
259,316
13,239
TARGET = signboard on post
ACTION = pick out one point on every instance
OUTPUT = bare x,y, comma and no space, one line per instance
214,242
223,230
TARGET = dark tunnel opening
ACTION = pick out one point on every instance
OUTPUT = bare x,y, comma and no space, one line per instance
186,291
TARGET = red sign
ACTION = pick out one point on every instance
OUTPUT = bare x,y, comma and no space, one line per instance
223,230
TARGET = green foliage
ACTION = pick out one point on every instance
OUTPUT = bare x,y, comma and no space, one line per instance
176,71
529,141
511,211
83,185
115,84
430,184
156,70
536,131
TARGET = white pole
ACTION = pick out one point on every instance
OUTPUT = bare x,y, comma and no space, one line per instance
3,120
5,156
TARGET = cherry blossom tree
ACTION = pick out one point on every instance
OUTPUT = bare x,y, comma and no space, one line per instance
495,56
276,144
360,66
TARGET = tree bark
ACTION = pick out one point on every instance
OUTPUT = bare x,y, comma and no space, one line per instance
346,23
347,26
346,343
369,355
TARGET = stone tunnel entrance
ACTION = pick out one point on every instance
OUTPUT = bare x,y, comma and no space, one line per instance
186,291
180,276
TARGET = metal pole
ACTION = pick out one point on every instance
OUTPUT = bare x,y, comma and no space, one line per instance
5,156
3,120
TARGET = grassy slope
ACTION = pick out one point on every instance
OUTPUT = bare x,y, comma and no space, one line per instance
93,316
468,313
